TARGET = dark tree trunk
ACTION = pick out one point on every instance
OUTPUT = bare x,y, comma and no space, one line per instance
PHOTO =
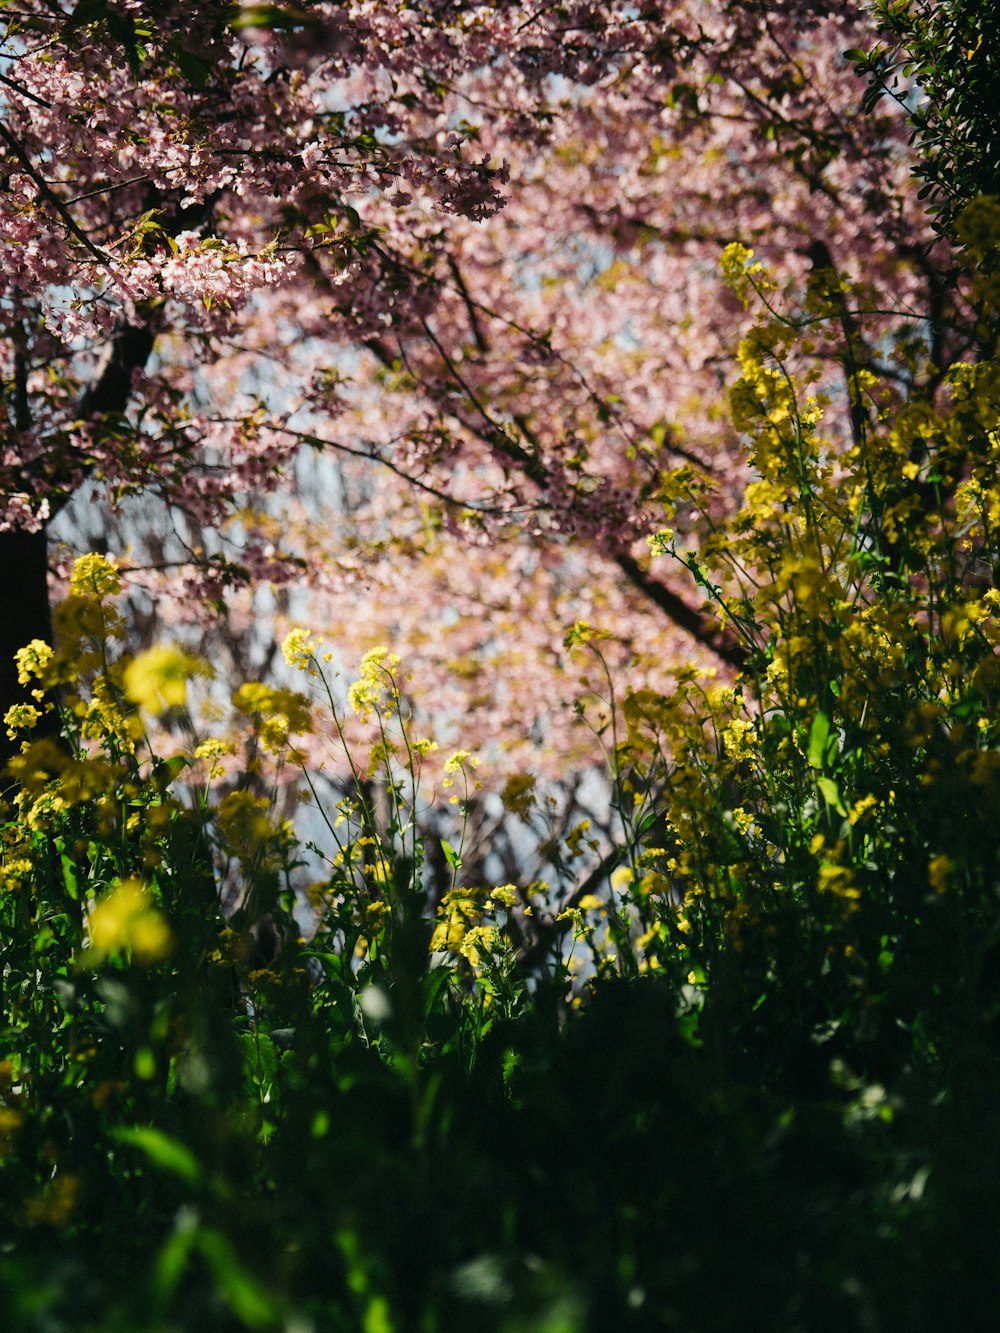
24,593
24,615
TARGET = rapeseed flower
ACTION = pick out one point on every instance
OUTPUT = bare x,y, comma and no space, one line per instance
33,661
94,575
20,717
213,750
369,690
280,713
459,759
157,679
127,920
299,650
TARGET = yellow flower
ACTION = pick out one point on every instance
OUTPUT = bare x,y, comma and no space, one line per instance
274,733
518,794
938,872
20,717
33,661
94,576
281,712
622,879
458,760
740,275
126,919
479,937
213,749
838,879
860,808
157,679
14,872
581,633
245,823
375,915
377,667
299,649
737,738
661,542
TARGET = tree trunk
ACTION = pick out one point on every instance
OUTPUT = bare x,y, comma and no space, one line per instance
24,615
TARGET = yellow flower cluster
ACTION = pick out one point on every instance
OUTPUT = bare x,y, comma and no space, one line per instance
21,717
213,749
376,686
157,679
33,662
742,274
126,920
95,576
279,713
458,760
301,650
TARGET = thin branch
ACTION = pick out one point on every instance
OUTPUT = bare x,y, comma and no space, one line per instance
50,195
107,189
373,456
25,92
702,630
477,332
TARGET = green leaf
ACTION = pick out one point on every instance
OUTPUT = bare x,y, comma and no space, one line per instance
436,981
819,734
277,18
831,795
194,68
163,1151
450,855
687,1028
248,1301
173,1258
165,771
69,876
260,1061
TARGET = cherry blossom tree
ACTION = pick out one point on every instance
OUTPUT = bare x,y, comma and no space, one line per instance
442,282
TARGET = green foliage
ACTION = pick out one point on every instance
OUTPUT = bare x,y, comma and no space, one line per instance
950,53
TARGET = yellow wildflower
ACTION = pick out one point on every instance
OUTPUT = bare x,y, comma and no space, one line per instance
299,649
518,795
937,873
33,661
213,750
14,872
477,938
157,678
243,819
622,879
377,667
126,919
280,712
459,759
375,915
20,717
737,739
94,576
